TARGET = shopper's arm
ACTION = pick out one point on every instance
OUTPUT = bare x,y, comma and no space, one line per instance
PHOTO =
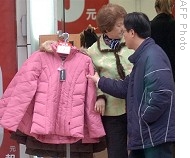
116,88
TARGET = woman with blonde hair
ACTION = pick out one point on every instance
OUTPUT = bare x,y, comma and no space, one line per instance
163,29
164,6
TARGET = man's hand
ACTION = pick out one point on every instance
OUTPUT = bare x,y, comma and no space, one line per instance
100,106
95,78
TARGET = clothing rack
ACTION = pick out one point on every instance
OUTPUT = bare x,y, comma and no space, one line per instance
68,151
65,37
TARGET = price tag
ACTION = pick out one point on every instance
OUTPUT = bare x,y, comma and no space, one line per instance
64,49
62,75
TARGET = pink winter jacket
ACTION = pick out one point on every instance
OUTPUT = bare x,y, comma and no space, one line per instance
40,105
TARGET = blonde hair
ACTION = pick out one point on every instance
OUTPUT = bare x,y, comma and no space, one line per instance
164,6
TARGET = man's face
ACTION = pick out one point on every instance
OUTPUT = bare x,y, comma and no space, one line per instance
128,36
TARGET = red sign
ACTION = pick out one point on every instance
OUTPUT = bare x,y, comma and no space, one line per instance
79,14
8,147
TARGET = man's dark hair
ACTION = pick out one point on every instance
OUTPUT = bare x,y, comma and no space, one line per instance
139,22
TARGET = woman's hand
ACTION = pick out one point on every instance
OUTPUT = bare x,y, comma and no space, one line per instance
100,106
95,78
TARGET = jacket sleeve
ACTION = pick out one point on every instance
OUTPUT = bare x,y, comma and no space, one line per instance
116,88
159,90
19,93
93,119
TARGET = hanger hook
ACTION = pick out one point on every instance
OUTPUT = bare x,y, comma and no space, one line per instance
65,36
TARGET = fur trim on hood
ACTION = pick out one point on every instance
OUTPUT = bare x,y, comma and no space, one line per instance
48,46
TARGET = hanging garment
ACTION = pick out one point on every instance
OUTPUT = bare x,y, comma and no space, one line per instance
42,105
37,148
88,37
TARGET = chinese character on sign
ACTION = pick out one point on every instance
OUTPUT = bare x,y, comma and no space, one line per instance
8,148
10,156
12,149
91,14
78,18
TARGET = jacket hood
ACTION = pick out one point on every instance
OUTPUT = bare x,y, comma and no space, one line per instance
50,46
